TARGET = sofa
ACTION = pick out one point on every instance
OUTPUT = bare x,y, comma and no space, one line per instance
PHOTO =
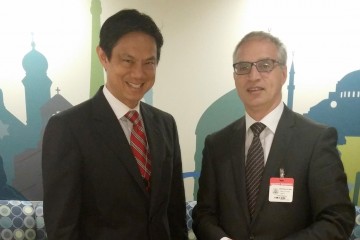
22,220
25,220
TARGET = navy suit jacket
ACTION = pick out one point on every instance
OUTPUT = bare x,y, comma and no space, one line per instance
92,186
321,208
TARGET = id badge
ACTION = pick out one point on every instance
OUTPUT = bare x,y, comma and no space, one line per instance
281,189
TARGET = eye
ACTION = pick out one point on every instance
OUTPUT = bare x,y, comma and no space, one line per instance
150,62
265,65
243,67
127,60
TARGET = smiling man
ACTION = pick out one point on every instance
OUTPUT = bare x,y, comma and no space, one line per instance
112,165
272,174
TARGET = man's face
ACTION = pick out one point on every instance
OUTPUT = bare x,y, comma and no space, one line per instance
259,91
132,68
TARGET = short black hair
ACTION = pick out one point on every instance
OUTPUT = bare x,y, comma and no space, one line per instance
126,21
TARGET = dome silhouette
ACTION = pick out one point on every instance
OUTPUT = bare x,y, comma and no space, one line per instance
350,82
34,62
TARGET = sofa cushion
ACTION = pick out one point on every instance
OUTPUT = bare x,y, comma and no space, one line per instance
17,220
189,207
356,232
25,220
39,218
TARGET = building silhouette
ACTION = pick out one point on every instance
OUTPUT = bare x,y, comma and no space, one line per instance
342,108
291,86
20,144
222,112
97,74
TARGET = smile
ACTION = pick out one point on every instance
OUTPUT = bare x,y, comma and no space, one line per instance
254,89
133,85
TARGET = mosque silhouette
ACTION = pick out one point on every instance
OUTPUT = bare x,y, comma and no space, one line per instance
342,108
20,144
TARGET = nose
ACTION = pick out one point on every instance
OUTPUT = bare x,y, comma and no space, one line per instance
137,70
254,73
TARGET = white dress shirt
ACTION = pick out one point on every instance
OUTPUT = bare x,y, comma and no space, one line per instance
267,135
120,109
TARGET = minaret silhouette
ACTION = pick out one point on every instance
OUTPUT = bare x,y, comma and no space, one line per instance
291,86
37,87
96,74
1,99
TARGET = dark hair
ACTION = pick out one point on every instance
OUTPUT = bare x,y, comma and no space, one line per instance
126,21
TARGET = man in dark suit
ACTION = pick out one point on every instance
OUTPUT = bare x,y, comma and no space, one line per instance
299,189
93,186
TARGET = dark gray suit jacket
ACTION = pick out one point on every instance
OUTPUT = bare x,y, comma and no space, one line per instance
92,186
321,208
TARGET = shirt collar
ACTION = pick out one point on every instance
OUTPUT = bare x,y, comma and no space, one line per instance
119,108
271,120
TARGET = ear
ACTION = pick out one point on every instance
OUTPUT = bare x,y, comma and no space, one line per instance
284,74
102,56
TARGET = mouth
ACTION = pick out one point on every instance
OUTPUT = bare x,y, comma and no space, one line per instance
133,85
255,89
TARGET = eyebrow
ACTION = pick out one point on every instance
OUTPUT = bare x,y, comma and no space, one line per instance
151,58
132,57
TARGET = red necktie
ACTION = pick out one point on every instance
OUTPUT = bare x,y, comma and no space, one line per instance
254,166
139,147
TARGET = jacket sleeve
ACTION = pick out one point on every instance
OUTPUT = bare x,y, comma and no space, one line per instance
177,206
205,217
332,211
61,180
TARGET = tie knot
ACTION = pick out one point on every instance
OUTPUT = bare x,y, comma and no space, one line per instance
257,128
133,116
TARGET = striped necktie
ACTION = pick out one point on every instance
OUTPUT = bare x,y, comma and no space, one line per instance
139,147
254,166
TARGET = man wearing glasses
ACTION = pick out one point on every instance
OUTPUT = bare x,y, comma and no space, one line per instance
272,174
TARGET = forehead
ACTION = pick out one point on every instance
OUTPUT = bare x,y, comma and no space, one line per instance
256,49
136,44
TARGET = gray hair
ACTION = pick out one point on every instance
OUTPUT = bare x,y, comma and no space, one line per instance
260,35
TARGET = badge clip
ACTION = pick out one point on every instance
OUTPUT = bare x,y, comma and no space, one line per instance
282,173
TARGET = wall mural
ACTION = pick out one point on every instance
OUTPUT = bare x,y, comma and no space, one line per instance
20,144
340,110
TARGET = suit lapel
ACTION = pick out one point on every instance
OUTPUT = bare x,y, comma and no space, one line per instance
109,129
277,155
237,150
156,143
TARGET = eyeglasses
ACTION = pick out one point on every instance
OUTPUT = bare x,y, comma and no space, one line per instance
264,65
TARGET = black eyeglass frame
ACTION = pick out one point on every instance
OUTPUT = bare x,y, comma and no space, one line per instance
273,61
